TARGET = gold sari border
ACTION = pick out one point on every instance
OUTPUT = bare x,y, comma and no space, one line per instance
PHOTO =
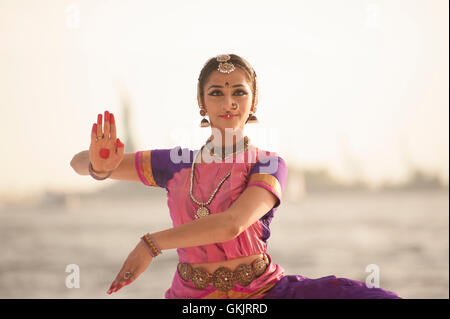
144,168
267,181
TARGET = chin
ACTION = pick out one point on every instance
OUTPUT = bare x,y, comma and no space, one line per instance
228,128
232,127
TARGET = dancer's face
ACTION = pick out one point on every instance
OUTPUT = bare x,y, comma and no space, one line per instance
222,92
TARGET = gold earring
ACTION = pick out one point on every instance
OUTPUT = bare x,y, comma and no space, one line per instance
252,118
204,122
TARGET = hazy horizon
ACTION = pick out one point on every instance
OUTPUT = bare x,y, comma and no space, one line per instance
357,87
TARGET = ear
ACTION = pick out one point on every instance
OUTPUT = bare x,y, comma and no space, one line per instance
255,102
200,101
255,99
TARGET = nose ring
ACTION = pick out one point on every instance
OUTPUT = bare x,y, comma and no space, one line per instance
235,105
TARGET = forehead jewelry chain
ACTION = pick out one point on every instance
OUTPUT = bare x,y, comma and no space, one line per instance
202,211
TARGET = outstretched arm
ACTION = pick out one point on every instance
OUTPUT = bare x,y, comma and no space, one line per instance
126,171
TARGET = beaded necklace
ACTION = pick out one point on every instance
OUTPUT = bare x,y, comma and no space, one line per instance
203,211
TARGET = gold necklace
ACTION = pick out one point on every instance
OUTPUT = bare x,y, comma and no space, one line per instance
225,153
202,211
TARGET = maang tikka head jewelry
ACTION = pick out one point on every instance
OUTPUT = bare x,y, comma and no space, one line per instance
224,66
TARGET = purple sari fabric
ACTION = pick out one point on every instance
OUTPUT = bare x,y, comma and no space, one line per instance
329,287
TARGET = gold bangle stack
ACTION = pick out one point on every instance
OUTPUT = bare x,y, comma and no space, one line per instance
153,247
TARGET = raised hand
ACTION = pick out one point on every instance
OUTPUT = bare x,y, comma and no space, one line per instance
106,151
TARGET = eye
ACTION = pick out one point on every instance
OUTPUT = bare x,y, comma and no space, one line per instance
214,93
240,92
237,92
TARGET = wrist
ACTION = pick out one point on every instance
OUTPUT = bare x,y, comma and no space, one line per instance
99,172
98,175
143,245
151,245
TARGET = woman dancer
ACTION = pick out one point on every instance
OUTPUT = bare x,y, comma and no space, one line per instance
221,223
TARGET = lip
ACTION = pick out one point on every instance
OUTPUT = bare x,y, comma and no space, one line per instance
228,116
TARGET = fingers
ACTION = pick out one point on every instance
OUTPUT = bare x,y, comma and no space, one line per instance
120,282
112,122
94,133
99,127
106,130
120,147
115,285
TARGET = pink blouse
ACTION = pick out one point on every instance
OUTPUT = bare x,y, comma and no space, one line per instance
171,169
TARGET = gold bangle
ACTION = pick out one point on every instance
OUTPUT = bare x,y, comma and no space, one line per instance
149,247
152,245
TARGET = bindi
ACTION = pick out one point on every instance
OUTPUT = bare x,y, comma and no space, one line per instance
104,153
226,84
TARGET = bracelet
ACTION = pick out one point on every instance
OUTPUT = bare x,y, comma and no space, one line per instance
154,242
151,245
148,247
151,248
92,173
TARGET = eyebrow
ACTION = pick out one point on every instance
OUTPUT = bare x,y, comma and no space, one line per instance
219,86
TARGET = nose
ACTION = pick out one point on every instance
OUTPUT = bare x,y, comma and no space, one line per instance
229,105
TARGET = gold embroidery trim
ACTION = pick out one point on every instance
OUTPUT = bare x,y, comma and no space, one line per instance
267,180
147,167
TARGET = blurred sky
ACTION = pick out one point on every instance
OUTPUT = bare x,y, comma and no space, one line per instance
357,86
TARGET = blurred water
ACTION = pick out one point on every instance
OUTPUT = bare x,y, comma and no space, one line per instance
404,234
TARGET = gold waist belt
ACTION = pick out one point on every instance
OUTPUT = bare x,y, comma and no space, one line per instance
224,278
